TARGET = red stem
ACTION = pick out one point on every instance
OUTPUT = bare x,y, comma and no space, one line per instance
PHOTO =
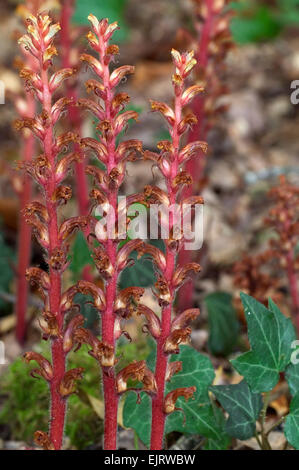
58,404
24,247
108,316
195,166
110,395
158,415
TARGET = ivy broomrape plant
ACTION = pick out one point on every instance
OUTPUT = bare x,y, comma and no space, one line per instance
171,160
49,172
174,393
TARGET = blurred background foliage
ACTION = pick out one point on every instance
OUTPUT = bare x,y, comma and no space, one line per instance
262,20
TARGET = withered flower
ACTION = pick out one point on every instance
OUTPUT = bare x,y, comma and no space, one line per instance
163,292
177,337
181,273
185,318
42,439
153,324
134,371
102,262
49,325
171,398
69,333
172,369
68,227
127,300
68,384
45,369
58,259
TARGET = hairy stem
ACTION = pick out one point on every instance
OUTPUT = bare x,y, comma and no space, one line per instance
158,415
58,403
108,316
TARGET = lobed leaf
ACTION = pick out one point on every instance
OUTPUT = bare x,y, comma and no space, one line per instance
243,408
270,335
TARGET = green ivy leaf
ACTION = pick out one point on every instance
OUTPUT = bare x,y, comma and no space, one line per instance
223,323
224,440
138,416
114,10
270,335
291,428
243,408
199,413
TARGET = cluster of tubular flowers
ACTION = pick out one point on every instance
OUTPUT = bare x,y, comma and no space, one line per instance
110,258
170,332
49,170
